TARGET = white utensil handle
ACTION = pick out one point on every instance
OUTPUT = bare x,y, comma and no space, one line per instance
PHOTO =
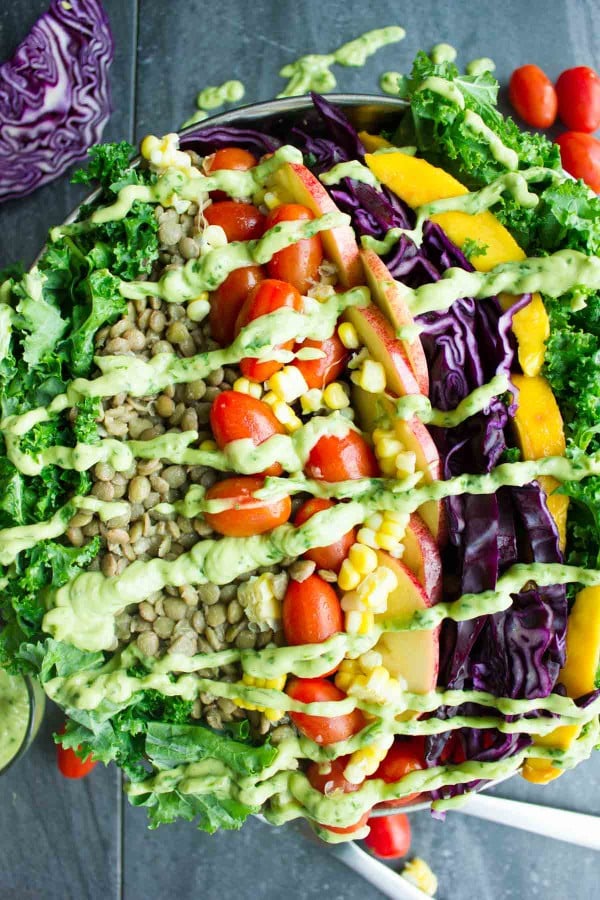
575,828
388,882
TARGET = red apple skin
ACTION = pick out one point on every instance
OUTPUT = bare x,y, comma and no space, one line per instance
376,333
422,556
412,655
387,294
301,186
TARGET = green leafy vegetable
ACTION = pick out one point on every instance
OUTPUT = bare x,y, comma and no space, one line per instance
174,745
107,165
107,305
472,248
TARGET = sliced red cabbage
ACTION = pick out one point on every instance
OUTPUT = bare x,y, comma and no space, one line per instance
213,137
54,95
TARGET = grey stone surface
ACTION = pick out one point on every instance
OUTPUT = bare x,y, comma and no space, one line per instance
62,840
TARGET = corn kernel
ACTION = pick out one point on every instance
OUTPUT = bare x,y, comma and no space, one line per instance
208,445
198,309
388,447
385,541
375,521
288,384
271,199
164,152
261,605
370,376
417,872
359,622
351,601
365,762
245,386
348,335
363,558
348,577
405,463
286,415
321,292
212,238
367,536
335,397
370,660
312,401
393,529
277,684
271,398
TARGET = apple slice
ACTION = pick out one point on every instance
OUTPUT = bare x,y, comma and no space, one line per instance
412,655
389,295
299,185
422,557
377,335
377,410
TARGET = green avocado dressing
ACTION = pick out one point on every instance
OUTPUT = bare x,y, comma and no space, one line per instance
22,537
84,607
552,275
480,65
475,402
214,96
208,272
139,377
351,169
442,53
14,715
313,71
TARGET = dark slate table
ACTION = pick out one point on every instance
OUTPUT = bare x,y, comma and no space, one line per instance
80,840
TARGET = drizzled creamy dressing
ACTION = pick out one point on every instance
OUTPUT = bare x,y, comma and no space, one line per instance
82,611
14,715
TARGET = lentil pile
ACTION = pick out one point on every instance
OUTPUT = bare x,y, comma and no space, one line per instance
185,620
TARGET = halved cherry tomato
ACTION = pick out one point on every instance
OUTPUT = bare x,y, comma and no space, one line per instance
228,299
578,92
266,297
532,95
389,836
239,221
322,729
322,371
234,416
402,757
69,764
333,782
298,263
336,458
332,556
311,611
247,515
231,158
580,156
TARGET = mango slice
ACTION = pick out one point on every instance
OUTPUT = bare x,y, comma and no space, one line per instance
578,676
539,430
373,142
417,182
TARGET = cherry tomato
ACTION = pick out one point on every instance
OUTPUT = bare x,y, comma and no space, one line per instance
322,729
578,92
234,416
247,515
266,297
402,758
336,458
332,556
69,764
532,95
311,611
334,782
231,158
389,837
228,299
239,221
298,263
580,156
320,372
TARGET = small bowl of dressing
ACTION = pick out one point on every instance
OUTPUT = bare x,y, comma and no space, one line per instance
22,703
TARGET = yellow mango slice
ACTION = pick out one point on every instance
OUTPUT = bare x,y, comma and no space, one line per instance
417,182
578,676
539,430
373,142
